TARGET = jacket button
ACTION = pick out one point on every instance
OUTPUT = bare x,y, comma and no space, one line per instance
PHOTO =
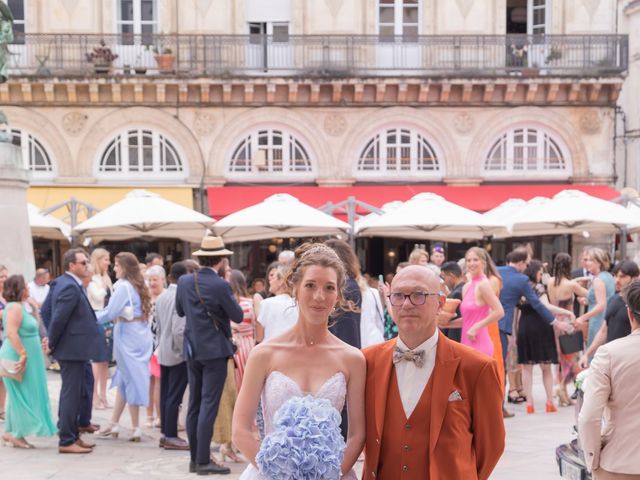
377,440
407,427
406,448
405,468
373,474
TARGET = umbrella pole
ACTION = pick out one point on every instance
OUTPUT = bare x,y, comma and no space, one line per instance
623,244
351,220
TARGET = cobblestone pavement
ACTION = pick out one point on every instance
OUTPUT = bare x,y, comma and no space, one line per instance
529,455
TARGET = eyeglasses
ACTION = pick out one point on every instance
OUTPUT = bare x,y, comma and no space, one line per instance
82,262
416,298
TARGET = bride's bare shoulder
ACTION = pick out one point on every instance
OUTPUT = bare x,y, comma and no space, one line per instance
351,356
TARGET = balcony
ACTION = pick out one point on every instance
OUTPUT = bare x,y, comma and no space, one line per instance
325,56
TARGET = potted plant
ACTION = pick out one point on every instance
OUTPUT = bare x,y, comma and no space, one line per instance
102,57
139,68
555,53
165,59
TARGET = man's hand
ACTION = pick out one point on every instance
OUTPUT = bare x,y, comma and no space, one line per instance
45,345
444,318
563,326
584,360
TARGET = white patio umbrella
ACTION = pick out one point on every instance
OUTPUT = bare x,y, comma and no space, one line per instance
145,214
47,226
429,216
512,210
280,215
364,221
572,211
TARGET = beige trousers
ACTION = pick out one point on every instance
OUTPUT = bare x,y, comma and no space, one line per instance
601,474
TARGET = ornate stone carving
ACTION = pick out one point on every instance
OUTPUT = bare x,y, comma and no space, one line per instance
590,122
203,6
463,123
464,6
334,6
70,6
74,122
335,124
203,123
591,6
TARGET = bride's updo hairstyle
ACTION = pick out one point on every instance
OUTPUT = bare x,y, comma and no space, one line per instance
310,254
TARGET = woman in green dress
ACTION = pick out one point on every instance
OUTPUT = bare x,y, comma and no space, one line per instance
28,409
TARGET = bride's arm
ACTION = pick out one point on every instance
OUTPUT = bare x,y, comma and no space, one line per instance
244,413
355,409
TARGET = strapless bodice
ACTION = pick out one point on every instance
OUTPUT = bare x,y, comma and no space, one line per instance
279,388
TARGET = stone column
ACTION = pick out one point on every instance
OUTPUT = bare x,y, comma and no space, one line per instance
16,243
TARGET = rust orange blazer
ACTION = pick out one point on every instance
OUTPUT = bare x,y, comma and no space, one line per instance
465,441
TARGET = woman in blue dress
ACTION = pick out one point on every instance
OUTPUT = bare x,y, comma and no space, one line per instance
600,293
129,309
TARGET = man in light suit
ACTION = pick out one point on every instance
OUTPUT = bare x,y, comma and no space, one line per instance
612,392
207,302
433,406
73,339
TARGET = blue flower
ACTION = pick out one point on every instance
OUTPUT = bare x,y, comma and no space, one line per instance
305,444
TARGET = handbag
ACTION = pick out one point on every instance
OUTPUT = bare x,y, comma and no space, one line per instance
210,315
571,342
127,312
8,368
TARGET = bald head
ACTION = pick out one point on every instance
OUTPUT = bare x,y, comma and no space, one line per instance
419,274
416,323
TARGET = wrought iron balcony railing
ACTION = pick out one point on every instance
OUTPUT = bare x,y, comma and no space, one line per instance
319,55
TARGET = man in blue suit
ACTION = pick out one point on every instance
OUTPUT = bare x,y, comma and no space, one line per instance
515,285
207,302
73,338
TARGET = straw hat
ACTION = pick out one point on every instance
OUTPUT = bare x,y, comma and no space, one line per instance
212,247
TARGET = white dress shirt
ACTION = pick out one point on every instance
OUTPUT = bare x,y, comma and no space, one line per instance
411,379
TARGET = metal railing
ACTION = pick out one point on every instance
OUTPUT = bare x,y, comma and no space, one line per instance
321,55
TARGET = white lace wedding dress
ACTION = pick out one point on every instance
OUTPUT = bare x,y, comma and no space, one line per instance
279,388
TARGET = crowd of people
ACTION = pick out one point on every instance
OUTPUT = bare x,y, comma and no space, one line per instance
200,349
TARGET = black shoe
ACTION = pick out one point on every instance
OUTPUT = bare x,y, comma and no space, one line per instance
192,467
212,469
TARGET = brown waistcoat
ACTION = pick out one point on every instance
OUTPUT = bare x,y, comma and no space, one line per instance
405,443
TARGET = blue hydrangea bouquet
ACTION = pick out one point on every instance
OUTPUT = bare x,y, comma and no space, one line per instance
305,444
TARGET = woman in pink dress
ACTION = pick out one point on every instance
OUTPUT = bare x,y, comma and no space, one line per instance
480,305
243,333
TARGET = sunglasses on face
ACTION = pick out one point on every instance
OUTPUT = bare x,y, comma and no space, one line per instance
82,262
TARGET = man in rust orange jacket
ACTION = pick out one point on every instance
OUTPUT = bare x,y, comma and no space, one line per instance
433,406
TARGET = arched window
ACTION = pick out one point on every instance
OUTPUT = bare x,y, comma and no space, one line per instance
34,155
143,153
526,150
398,151
270,151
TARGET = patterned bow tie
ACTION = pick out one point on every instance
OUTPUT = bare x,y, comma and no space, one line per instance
416,357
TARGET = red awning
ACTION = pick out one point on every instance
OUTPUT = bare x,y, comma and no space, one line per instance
226,200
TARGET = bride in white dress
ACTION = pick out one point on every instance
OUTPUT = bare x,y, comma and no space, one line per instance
305,360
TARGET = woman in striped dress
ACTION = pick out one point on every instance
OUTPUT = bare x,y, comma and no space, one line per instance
243,333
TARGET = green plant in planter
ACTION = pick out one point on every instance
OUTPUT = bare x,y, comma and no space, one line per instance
554,54
102,57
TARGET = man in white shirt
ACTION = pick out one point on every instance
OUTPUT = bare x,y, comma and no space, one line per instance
39,287
433,407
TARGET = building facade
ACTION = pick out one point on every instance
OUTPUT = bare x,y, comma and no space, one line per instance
200,95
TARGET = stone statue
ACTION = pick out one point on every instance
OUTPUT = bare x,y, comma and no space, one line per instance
6,37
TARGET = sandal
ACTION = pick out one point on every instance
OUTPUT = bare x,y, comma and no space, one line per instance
518,398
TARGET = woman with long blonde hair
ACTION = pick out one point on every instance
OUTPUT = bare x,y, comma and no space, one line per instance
130,308
99,292
480,305
495,280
